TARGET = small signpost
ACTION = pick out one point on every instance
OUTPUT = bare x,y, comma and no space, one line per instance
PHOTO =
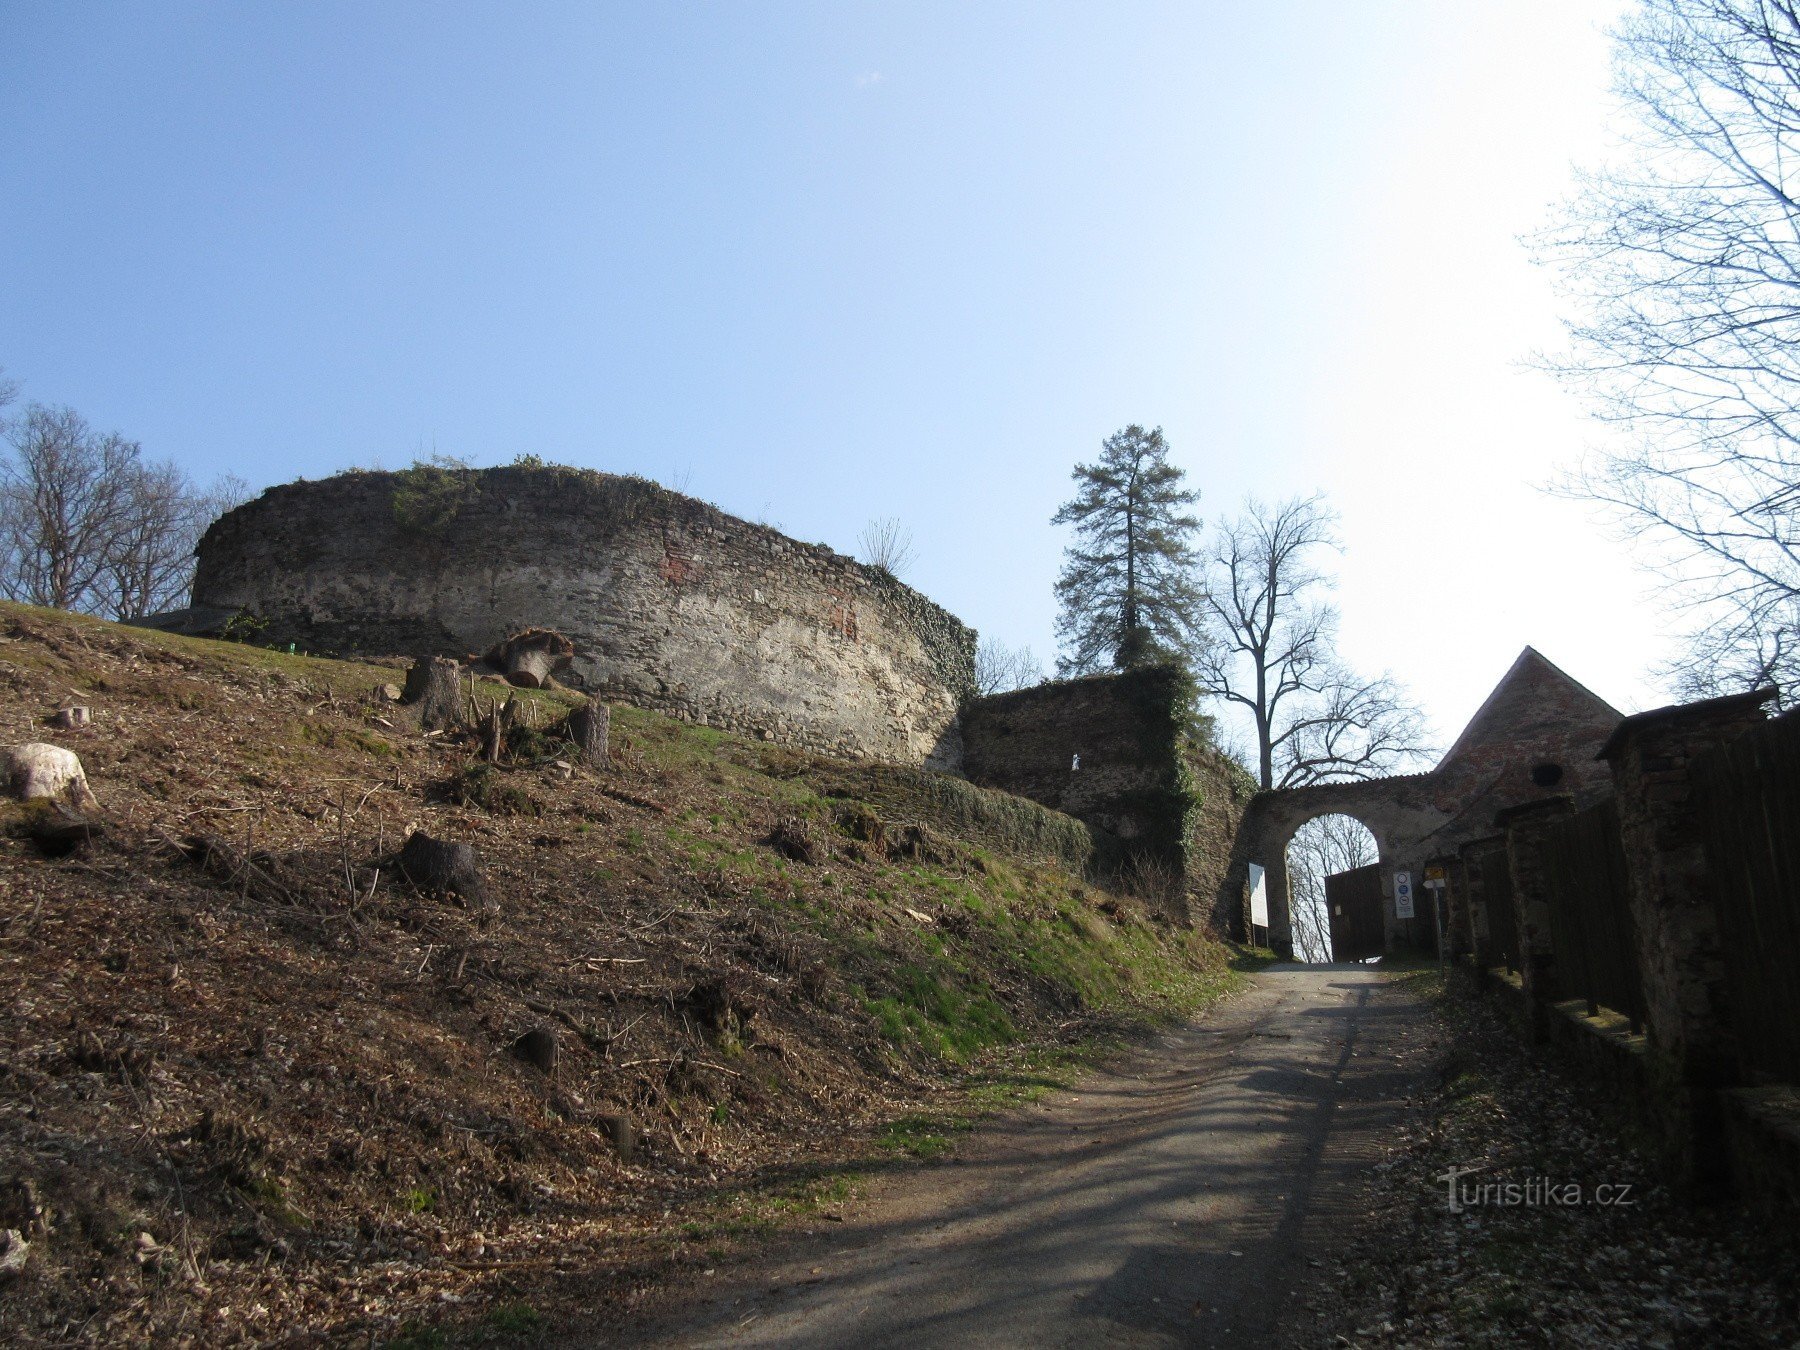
1434,882
1403,895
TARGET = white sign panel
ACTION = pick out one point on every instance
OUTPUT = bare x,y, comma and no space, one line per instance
1403,896
1259,898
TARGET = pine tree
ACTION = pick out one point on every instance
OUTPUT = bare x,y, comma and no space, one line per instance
1127,589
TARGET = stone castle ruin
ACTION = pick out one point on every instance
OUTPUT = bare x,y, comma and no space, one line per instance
671,604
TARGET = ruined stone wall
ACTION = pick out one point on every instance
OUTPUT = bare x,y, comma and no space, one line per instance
1100,749
1217,876
1143,783
673,604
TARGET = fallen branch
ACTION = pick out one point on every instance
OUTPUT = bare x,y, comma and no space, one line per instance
679,1059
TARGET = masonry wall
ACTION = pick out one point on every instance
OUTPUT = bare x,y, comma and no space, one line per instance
1217,877
1142,783
672,603
1101,749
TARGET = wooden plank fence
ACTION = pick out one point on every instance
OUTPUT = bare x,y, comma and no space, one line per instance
1497,900
1591,930
1748,797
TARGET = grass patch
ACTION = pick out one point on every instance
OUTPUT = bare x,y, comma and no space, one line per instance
485,786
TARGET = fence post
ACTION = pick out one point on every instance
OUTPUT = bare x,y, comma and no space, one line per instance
1467,878
1456,909
1524,825
1679,954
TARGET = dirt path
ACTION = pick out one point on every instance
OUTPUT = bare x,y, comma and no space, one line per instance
1184,1196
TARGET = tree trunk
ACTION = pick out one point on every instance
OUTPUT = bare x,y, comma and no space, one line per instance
590,727
434,687
440,868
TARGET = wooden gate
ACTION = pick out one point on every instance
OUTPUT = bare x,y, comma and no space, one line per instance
1353,903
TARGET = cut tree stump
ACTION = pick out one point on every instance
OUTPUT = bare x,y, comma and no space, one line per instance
537,1047
438,867
434,687
37,769
59,830
618,1129
590,727
792,839
68,719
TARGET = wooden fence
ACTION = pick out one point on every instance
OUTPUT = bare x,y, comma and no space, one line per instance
1748,796
1497,900
1591,930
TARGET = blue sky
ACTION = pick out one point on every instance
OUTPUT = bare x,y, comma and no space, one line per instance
826,262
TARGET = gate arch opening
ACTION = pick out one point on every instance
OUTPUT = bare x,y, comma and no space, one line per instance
1535,736
1326,864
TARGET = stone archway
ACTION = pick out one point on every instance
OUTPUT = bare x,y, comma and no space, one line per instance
1334,889
1401,813
1536,735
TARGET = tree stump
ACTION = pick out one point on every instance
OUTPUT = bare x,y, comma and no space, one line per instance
618,1130
792,839
59,830
590,727
434,687
537,1047
69,719
437,867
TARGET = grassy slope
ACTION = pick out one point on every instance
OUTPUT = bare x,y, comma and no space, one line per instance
231,1106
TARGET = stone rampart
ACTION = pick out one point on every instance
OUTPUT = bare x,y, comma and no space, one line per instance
673,604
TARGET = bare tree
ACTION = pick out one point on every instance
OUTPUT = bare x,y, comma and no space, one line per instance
1320,848
887,545
1683,257
150,564
65,496
86,523
999,668
1270,653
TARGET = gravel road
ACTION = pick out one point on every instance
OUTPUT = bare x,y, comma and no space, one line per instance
1185,1195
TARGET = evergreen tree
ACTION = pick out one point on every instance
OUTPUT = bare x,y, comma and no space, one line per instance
1127,589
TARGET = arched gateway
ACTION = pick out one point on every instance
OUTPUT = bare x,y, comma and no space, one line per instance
1535,736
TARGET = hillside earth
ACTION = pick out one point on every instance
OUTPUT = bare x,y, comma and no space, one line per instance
254,1088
